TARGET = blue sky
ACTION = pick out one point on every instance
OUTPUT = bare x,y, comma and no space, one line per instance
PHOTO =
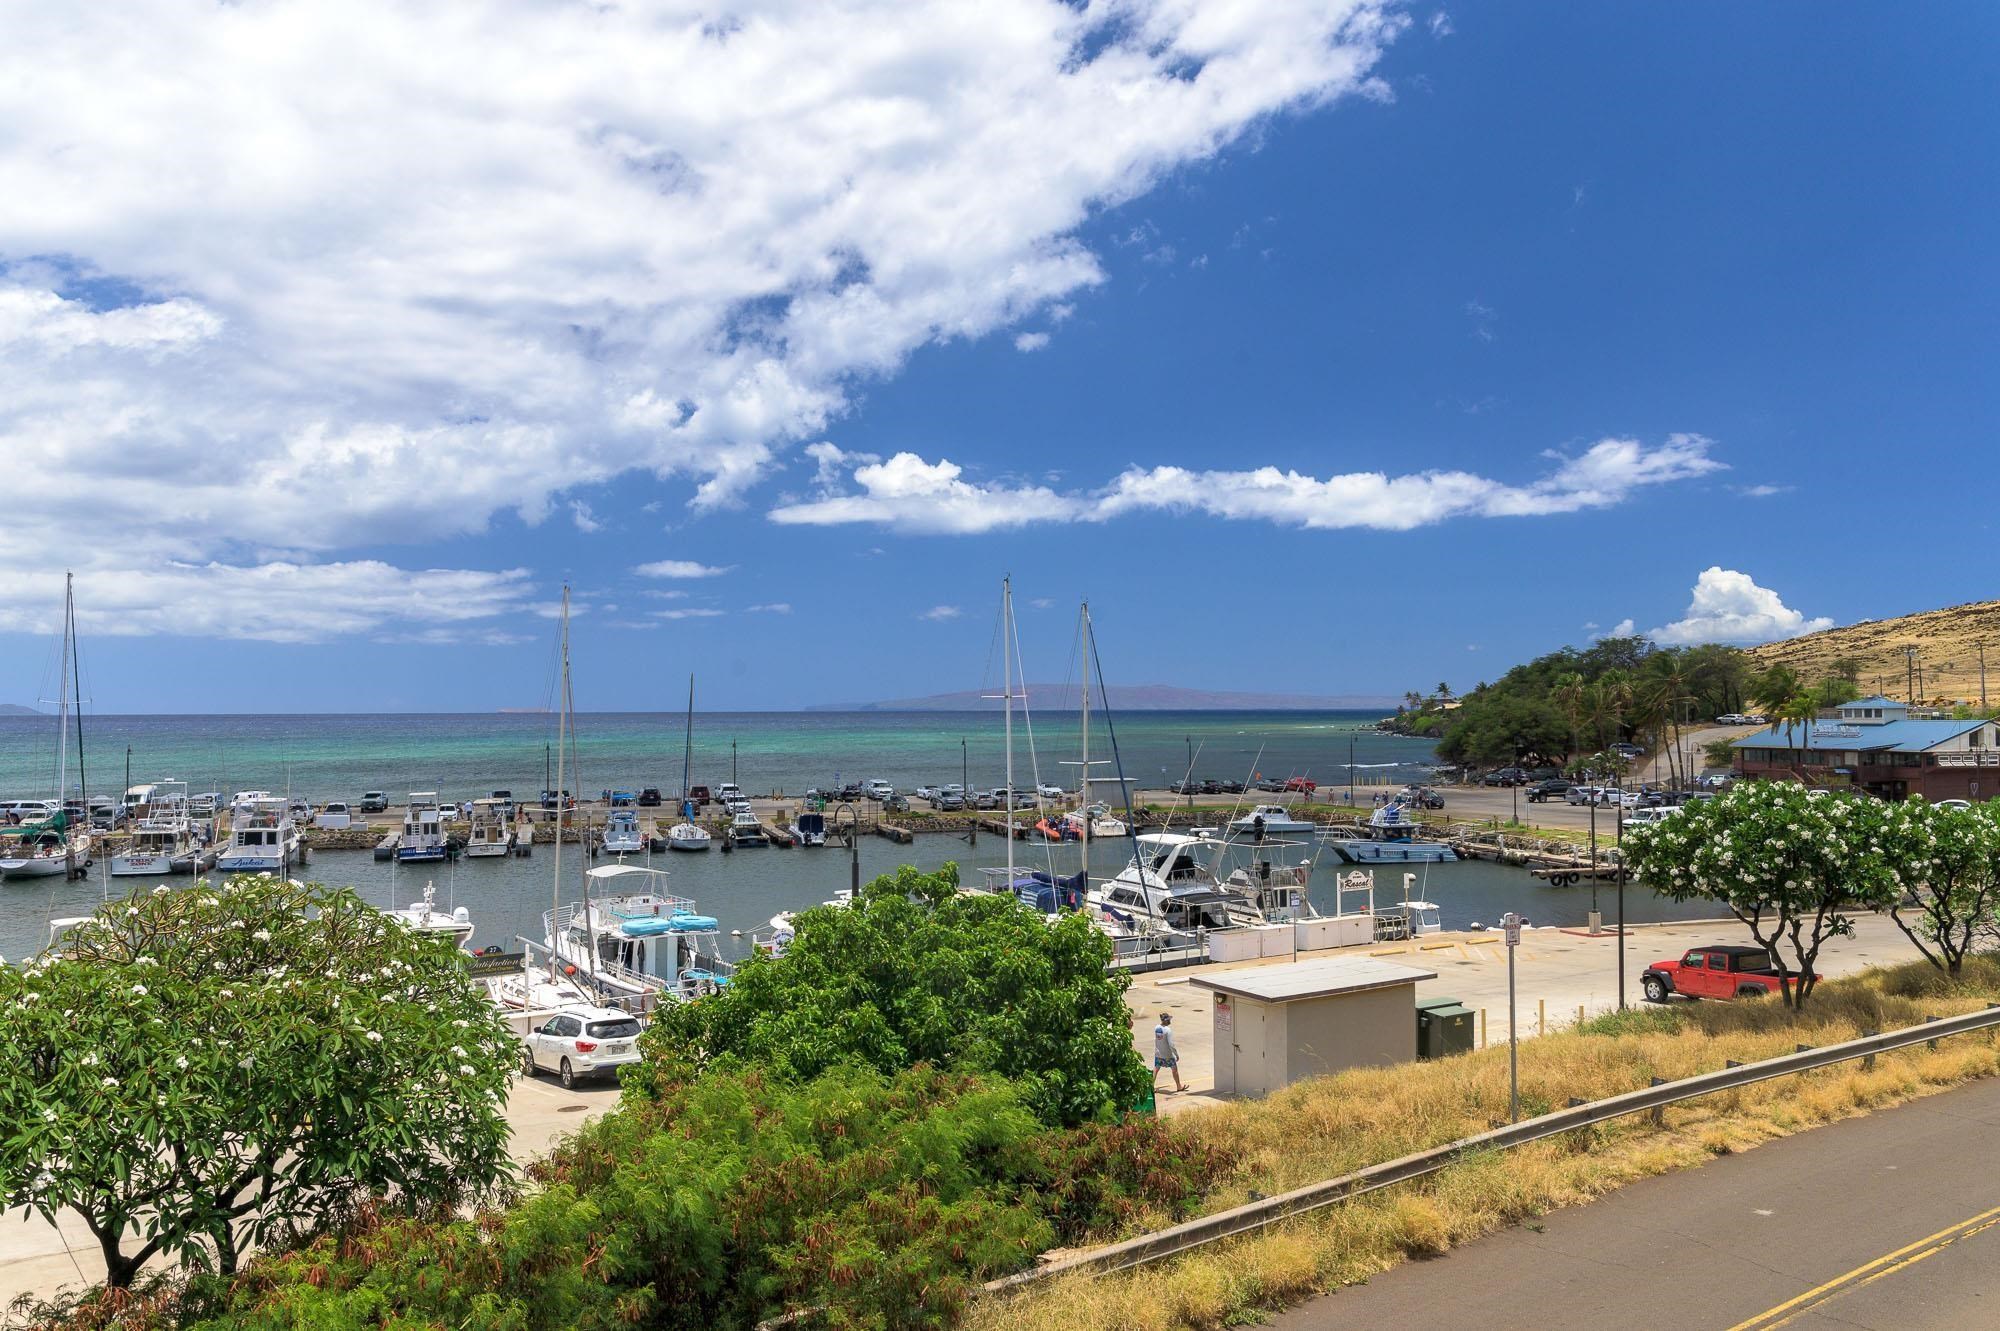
1648,315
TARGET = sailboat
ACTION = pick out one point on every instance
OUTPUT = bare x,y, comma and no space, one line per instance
687,834
56,844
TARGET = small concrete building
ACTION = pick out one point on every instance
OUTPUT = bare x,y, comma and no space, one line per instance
1277,1024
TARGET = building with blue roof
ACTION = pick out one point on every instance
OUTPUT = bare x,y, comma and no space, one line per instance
1872,744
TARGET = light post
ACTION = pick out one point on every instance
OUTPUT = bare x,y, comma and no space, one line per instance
853,848
732,763
1621,914
965,792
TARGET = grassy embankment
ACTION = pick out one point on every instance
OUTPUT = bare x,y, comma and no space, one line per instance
1338,1124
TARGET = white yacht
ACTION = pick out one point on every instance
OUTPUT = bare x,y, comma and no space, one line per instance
422,840
532,991
491,833
810,828
262,836
638,949
686,835
1271,820
39,851
746,830
165,840
425,917
621,833
1167,881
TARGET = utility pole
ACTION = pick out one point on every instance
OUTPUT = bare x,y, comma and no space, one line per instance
1982,674
1910,673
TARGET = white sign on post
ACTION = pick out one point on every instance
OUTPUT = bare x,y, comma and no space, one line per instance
1511,922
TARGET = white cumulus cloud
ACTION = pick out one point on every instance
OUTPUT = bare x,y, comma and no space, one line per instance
316,278
1031,341
1729,606
938,614
680,568
910,494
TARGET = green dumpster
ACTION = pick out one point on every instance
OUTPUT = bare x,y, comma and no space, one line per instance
1444,1027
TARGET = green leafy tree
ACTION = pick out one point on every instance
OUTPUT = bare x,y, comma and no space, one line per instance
1788,862
1947,867
916,972
195,1071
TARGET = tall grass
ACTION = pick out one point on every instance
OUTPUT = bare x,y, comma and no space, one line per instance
1337,1124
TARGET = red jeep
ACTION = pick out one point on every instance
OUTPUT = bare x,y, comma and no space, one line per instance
1715,972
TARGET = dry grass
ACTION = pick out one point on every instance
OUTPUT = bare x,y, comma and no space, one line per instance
1333,1125
1947,643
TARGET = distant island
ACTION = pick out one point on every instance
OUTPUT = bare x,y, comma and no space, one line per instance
15,709
1128,698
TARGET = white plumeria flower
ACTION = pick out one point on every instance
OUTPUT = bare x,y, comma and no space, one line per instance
375,1036
181,1062
139,989
111,1082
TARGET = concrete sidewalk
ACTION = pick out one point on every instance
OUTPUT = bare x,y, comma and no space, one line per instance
1559,972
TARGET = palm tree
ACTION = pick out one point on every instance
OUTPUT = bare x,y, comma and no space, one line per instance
1666,687
1569,694
1774,688
1800,709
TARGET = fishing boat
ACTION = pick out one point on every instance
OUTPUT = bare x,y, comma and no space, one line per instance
687,834
621,833
1168,881
59,843
809,827
262,838
491,833
1095,820
745,830
425,917
1391,837
166,840
422,840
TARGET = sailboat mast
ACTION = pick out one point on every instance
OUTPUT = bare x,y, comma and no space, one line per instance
1083,771
62,704
1007,666
562,735
76,693
687,750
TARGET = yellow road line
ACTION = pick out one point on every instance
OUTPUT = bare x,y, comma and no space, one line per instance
1869,1272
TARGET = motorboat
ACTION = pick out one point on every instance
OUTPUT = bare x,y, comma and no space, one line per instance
491,833
745,830
637,949
422,840
1270,820
425,917
810,828
262,836
1098,817
621,833
1168,882
1391,836
1410,918
165,841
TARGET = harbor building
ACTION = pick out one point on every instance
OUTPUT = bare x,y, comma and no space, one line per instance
1873,745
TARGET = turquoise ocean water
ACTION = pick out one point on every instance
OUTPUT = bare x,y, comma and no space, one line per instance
337,757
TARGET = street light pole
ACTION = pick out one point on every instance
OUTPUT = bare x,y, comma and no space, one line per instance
965,790
853,848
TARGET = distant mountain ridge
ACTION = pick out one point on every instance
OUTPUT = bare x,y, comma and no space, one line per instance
15,709
1128,698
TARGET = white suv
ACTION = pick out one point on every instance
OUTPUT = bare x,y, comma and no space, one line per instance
581,1042
879,789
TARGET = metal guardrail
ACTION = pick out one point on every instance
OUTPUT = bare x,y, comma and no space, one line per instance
1255,1215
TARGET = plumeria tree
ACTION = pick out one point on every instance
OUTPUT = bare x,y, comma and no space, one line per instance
1947,863
1788,862
195,1071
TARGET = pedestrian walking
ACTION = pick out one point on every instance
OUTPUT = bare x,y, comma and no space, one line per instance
1165,1055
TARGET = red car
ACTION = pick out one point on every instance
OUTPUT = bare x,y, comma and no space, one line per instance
1715,972
1301,785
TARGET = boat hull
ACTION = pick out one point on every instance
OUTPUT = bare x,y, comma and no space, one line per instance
1395,852
251,863
690,844
35,867
148,865
484,850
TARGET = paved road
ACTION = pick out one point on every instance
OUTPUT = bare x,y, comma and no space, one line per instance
1889,1221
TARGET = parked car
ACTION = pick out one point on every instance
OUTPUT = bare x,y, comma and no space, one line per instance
737,806
372,801
581,1042
1503,776
506,798
926,793
1543,791
1629,750
1583,795
949,801
1300,785
448,812
1715,972
334,817
985,799
1049,792
896,804
879,789
1647,817
1232,787
1954,804
1268,785
1210,786
1423,797
649,798
727,791
622,799
699,796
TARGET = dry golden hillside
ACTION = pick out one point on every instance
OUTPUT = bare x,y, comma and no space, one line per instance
1947,653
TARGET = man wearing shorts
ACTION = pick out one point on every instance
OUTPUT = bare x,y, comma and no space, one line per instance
1165,1055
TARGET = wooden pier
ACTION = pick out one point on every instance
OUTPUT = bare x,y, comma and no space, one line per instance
902,836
